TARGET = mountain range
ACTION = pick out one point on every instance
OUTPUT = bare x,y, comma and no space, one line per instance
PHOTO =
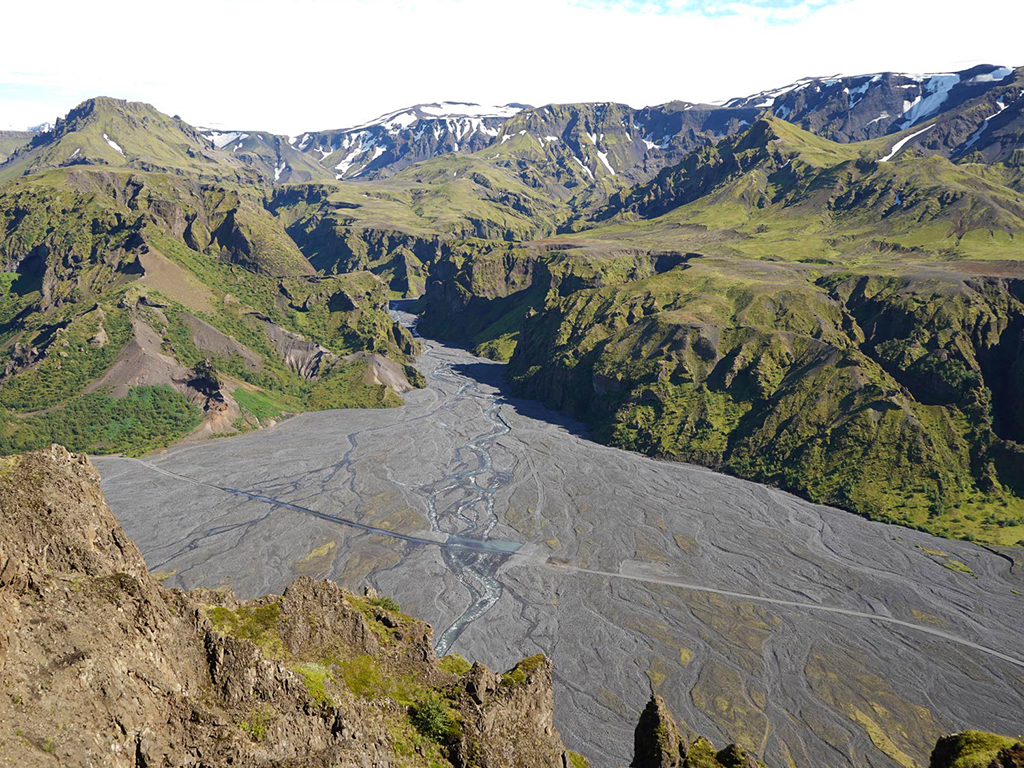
815,286
818,287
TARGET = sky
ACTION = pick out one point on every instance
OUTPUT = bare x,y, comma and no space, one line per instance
301,65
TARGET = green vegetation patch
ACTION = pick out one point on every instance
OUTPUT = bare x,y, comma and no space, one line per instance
146,418
413,748
367,606
262,405
346,385
257,722
454,664
7,279
972,749
434,718
386,602
947,561
521,671
315,677
257,624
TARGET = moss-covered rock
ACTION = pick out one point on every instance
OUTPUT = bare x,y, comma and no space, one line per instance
894,397
976,749
116,277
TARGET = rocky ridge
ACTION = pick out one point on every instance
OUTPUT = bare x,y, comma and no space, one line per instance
104,667
593,142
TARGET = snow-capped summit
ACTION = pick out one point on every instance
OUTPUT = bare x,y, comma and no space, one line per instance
446,109
385,145
856,107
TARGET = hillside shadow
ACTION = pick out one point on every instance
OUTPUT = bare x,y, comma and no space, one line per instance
493,374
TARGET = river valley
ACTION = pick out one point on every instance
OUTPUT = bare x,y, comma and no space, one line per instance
809,635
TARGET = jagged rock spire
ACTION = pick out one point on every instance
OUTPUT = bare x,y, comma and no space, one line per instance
657,742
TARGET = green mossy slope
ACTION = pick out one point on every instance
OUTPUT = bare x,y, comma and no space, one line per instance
893,397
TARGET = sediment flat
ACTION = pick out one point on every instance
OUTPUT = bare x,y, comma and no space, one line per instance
802,632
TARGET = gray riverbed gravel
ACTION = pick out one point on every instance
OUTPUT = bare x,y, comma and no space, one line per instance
803,632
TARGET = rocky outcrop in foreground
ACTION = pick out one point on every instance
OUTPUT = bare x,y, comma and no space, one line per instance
101,666
659,743
104,667
974,748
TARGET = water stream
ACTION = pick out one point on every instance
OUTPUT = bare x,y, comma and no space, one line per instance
461,503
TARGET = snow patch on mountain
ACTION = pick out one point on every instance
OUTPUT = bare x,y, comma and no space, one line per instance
464,109
349,159
934,92
583,165
400,121
222,139
973,139
902,142
113,145
857,93
995,76
405,118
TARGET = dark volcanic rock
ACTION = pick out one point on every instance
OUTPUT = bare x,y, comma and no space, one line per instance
657,742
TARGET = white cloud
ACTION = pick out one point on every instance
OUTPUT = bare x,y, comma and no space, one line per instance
310,64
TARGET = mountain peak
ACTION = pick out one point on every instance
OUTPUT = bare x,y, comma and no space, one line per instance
103,130
849,108
403,118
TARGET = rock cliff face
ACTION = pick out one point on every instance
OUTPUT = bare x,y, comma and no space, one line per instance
658,743
102,666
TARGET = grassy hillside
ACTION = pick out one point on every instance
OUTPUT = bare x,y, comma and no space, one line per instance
126,134
780,192
787,309
171,295
889,396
